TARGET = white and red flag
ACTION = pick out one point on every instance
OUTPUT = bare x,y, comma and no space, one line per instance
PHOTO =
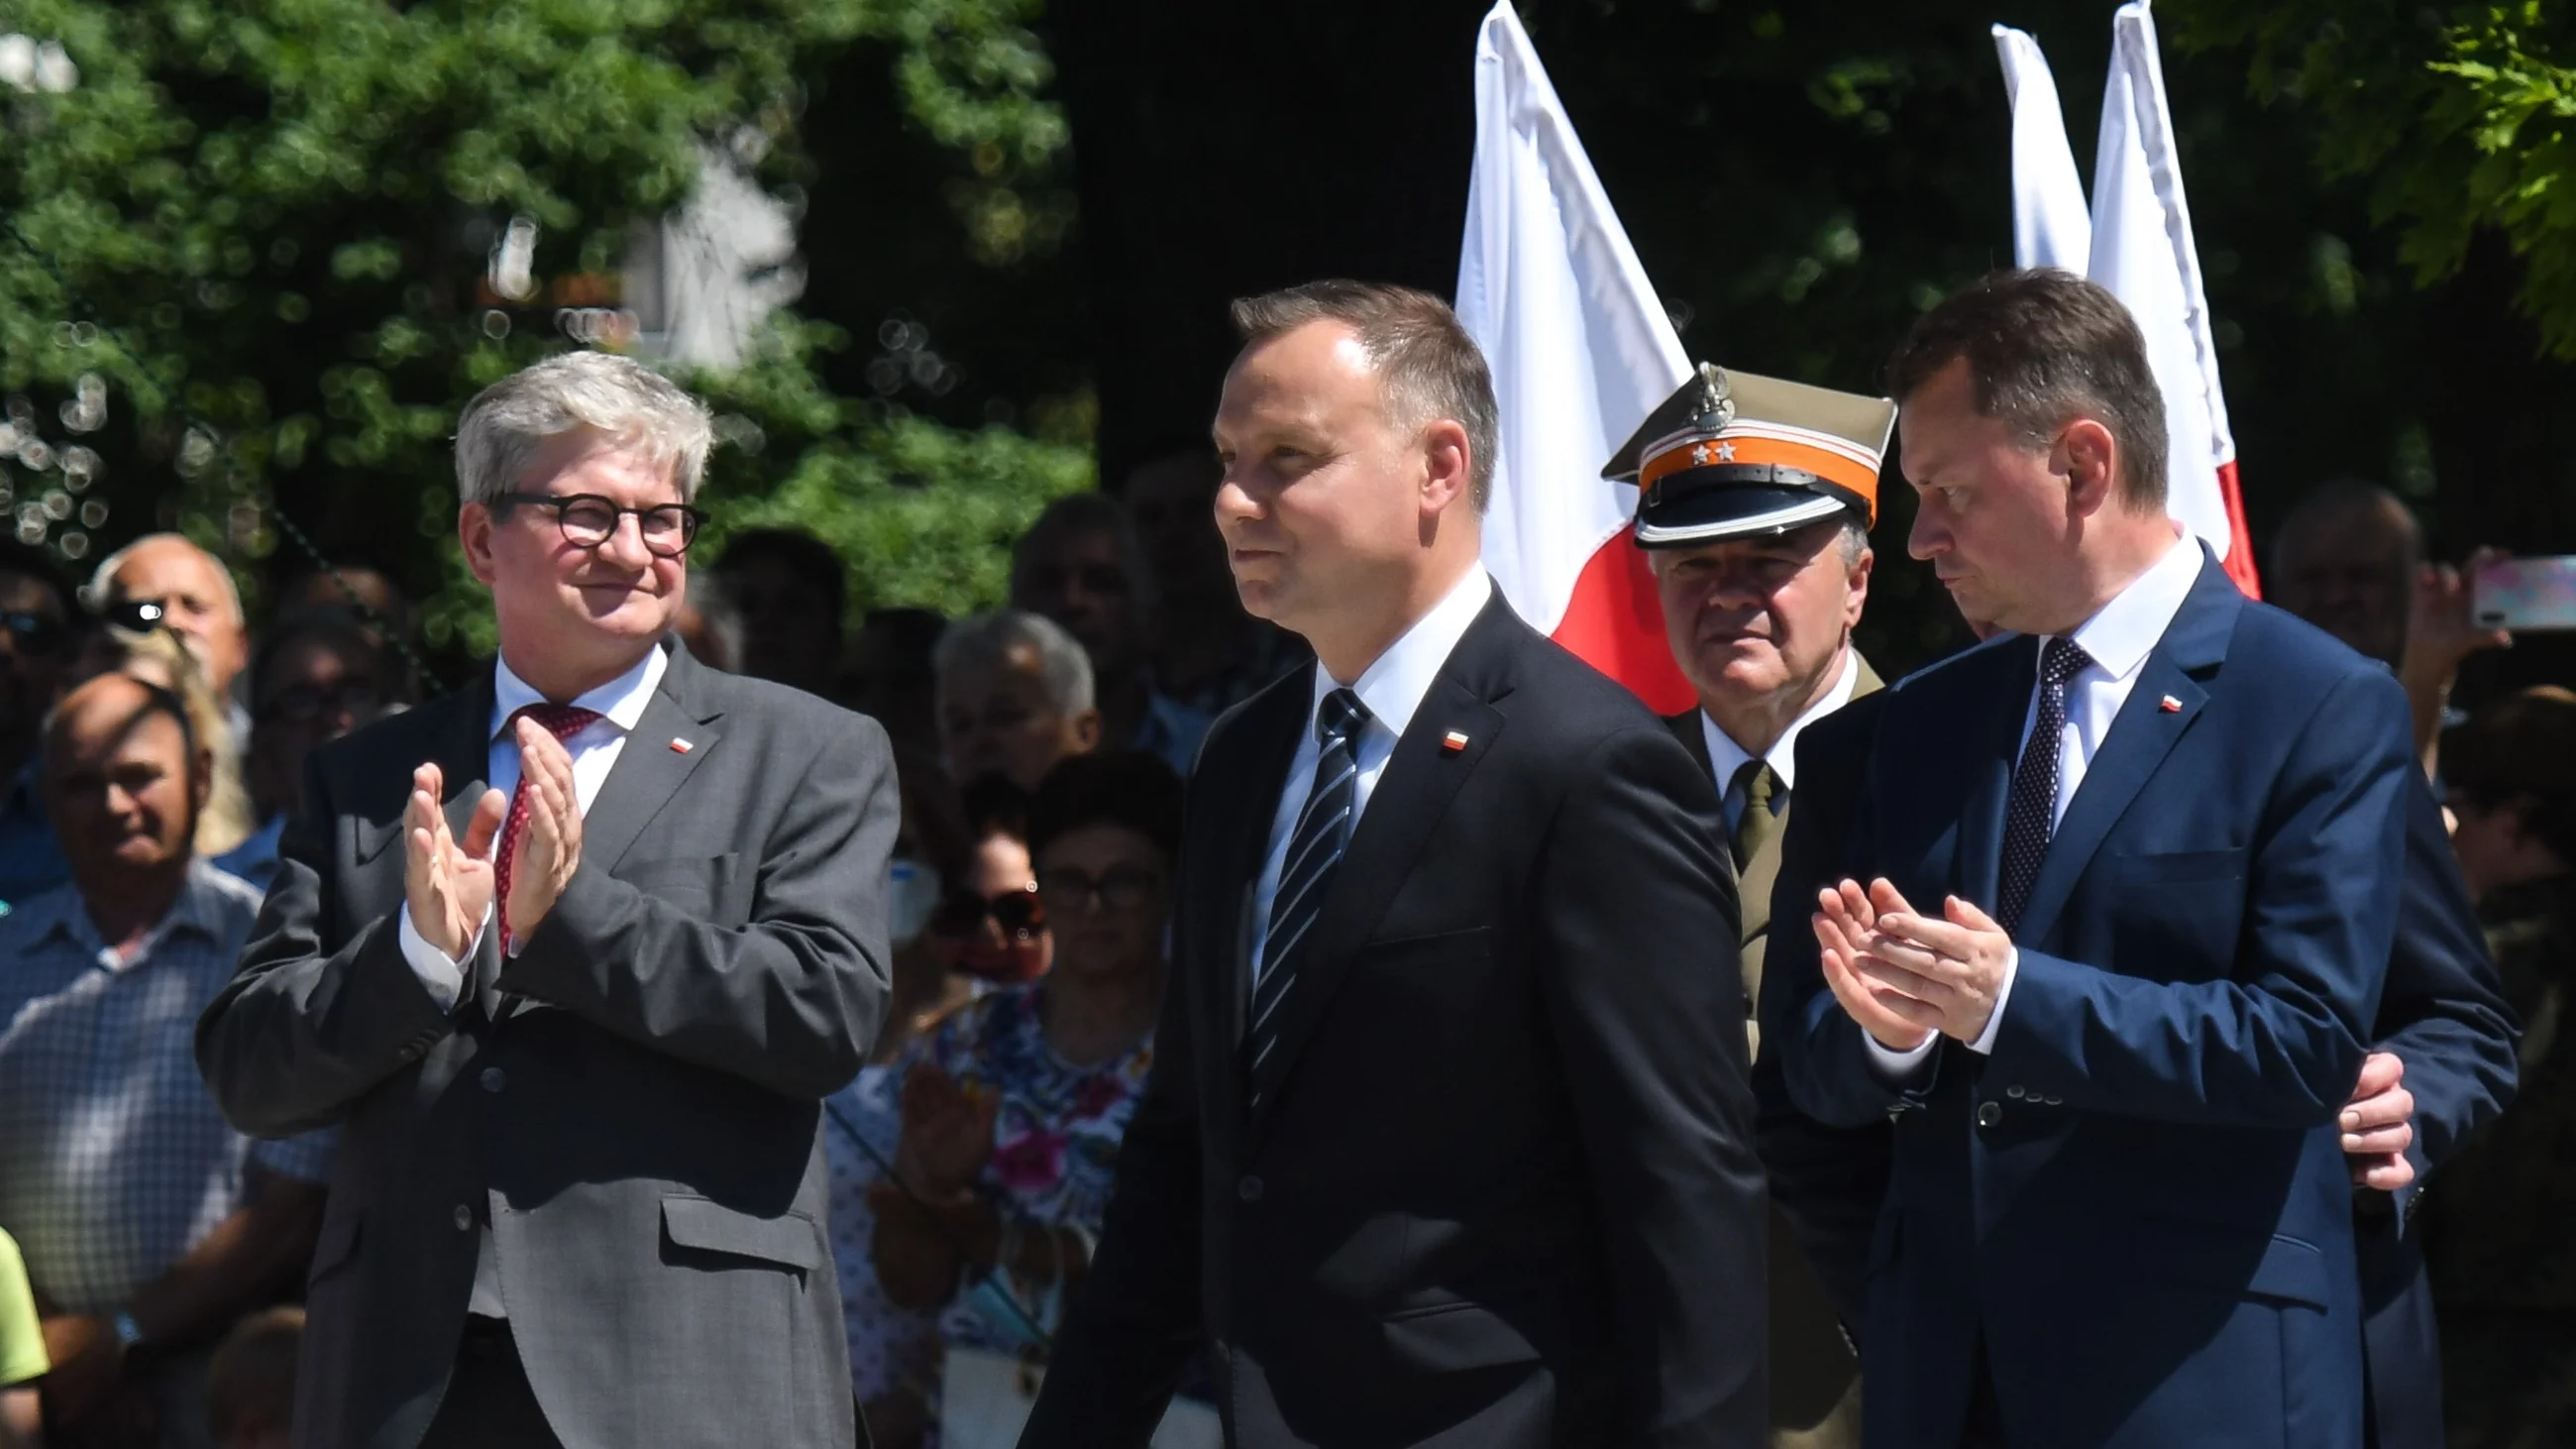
1581,351
2136,240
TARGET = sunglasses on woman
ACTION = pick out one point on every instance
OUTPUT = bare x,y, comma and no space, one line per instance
963,913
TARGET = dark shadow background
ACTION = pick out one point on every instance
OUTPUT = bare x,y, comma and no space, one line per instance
1800,180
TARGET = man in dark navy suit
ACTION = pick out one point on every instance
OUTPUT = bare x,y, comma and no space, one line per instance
2107,934
2441,1065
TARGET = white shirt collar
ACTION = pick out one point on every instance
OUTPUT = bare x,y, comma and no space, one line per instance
621,700
1726,757
1393,687
2119,635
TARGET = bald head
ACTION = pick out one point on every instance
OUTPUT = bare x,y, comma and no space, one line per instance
195,591
2345,560
124,779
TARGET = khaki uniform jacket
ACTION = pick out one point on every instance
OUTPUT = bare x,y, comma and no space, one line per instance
1815,1378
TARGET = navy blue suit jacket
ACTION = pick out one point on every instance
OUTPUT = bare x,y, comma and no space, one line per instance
2445,1018
2137,1205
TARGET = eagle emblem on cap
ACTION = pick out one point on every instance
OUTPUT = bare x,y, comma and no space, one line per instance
1716,408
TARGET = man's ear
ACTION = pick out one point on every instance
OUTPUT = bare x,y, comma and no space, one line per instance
1856,582
2089,458
201,780
1085,728
1448,473
474,525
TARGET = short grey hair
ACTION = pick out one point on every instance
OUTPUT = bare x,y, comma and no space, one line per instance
1854,537
507,422
986,641
102,580
1428,368
1080,513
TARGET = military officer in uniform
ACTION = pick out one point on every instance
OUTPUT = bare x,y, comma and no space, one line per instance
1755,498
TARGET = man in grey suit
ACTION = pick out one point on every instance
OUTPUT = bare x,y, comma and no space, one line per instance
572,957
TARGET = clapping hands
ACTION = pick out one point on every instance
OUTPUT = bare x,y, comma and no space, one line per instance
1902,975
447,883
947,1133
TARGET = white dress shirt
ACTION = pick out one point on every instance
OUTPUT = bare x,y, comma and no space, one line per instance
2117,639
1727,757
594,749
1392,689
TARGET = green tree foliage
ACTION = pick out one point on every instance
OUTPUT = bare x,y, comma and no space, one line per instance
243,261
2457,118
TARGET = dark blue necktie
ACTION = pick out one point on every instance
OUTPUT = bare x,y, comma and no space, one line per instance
1315,848
2030,814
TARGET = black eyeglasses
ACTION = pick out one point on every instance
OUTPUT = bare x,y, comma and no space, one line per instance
305,703
1122,888
587,520
1017,912
34,634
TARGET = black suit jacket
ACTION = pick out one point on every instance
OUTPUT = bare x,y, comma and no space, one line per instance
1502,1190
1830,1182
631,1103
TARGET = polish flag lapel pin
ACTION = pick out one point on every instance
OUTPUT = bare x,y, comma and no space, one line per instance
1454,743
680,746
2169,705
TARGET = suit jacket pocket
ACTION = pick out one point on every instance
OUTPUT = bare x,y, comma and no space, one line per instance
2182,866
698,885
2226,1258
1453,1337
1410,952
791,1240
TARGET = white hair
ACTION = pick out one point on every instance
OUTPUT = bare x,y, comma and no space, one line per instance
506,423
988,639
102,580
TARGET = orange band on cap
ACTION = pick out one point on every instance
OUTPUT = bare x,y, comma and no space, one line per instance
1837,468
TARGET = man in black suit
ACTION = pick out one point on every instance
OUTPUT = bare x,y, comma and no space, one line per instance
575,1023
1449,1140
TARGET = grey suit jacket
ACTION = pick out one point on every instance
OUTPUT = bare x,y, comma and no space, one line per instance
630,1104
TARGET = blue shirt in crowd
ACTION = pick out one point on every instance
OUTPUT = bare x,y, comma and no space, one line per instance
114,1161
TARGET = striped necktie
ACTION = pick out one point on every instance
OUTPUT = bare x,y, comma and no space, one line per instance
1315,848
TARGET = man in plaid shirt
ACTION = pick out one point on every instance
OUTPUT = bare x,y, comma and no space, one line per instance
147,1222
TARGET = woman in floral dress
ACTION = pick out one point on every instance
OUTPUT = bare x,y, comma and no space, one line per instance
1013,1107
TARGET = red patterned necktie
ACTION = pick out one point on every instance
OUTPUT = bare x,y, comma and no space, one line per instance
562,721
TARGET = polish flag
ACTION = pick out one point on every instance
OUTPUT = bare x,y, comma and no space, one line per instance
1581,351
2136,240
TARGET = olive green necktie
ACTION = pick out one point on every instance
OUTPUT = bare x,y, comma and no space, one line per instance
1754,819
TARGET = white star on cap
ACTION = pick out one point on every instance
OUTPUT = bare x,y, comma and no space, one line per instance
1700,453
1725,452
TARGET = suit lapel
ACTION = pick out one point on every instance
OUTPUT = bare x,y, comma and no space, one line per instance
2143,733
1421,777
1688,729
652,766
1991,747
1270,731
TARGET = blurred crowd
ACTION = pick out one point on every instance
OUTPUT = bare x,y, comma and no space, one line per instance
151,749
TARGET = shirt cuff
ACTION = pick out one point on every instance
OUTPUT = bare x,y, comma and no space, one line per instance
1984,1045
1896,1065
435,968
